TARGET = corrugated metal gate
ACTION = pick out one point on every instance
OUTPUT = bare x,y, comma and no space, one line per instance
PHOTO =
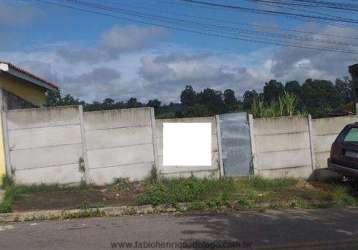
236,145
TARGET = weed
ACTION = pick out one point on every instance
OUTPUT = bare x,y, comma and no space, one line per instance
81,165
11,192
243,202
122,184
197,205
83,213
285,106
172,191
153,178
259,183
6,181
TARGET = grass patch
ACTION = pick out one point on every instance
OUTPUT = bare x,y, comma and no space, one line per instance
200,194
11,192
186,190
261,184
248,193
15,192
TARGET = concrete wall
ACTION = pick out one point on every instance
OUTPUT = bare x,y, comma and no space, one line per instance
281,147
64,145
49,145
119,143
187,171
324,132
45,145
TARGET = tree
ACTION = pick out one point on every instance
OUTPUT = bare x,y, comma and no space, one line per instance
293,87
272,91
196,110
154,104
188,96
344,87
230,99
321,97
108,103
213,100
249,97
54,98
133,103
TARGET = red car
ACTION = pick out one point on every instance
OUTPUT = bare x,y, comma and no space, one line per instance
344,152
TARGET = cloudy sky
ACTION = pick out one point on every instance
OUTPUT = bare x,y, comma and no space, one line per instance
94,56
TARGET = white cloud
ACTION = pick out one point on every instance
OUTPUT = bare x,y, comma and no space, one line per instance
298,64
130,38
113,43
149,70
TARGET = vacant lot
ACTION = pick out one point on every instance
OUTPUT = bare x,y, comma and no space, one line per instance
201,194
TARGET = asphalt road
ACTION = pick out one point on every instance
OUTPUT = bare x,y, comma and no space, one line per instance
315,229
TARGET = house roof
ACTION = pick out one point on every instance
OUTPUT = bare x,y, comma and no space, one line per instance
25,75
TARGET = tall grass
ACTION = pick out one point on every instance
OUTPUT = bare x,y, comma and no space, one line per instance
285,106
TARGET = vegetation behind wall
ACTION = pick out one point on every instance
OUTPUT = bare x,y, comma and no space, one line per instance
320,98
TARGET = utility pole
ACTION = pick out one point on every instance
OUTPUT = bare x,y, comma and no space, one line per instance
353,70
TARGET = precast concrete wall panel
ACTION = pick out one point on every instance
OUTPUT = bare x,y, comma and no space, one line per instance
325,131
119,144
45,145
282,147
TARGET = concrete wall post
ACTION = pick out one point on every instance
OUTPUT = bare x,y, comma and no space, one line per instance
218,135
5,135
6,143
252,142
154,138
310,135
84,147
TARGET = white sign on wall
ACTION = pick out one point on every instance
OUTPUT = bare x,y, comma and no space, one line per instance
187,144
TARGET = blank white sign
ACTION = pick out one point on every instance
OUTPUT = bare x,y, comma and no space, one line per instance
187,144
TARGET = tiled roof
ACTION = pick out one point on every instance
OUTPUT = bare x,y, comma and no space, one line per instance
45,82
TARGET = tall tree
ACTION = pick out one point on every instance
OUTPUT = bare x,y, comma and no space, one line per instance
108,103
154,104
272,91
249,97
230,99
55,98
344,87
213,100
321,97
188,96
133,103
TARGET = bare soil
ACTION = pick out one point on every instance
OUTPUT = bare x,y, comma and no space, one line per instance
71,198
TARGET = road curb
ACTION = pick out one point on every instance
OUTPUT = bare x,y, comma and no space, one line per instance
87,212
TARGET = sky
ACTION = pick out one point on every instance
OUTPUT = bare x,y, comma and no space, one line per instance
92,56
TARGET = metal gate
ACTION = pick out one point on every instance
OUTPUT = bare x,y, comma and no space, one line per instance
235,143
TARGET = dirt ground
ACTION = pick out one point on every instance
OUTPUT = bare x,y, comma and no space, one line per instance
92,196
